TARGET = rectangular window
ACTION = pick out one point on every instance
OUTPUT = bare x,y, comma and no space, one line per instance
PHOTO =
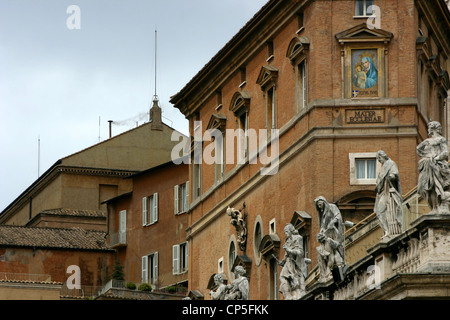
271,120
197,177
150,268
220,265
243,136
180,258
361,8
269,50
302,85
219,149
272,228
181,198
219,99
243,73
365,168
150,209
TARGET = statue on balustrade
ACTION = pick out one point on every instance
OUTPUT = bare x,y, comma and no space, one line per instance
220,292
238,289
434,171
388,203
293,273
330,237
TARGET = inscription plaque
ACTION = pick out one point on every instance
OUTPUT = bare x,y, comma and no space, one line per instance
364,116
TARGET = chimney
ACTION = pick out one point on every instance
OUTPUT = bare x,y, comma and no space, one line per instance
110,128
155,115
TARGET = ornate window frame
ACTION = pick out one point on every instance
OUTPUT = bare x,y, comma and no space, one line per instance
361,41
297,53
218,122
240,106
363,155
267,79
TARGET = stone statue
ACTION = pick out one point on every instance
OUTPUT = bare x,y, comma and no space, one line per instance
293,273
330,237
388,203
220,292
238,289
434,176
238,220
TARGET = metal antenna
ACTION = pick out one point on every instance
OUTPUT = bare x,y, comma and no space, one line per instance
156,43
39,155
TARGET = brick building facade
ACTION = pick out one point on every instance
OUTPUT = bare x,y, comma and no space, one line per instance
293,67
147,227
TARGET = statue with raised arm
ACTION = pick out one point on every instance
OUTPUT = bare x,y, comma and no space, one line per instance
293,272
330,237
238,289
434,171
388,203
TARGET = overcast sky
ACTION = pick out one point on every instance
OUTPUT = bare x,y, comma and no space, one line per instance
60,86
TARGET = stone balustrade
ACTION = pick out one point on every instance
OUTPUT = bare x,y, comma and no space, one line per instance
414,264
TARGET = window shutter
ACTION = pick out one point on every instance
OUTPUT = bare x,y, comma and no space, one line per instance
186,198
176,259
155,207
186,255
122,221
175,199
145,269
155,267
144,211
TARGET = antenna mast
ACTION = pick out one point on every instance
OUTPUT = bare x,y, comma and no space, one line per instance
156,43
39,155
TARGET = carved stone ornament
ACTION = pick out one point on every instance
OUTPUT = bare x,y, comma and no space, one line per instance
239,221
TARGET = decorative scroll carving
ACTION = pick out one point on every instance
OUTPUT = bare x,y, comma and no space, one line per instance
239,221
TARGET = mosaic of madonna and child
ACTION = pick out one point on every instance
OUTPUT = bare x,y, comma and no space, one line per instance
364,73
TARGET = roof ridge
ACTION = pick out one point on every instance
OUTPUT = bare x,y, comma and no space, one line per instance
50,228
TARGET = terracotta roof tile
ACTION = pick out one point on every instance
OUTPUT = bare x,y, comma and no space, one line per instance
74,212
55,238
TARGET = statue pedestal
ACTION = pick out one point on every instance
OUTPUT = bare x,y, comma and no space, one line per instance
434,246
